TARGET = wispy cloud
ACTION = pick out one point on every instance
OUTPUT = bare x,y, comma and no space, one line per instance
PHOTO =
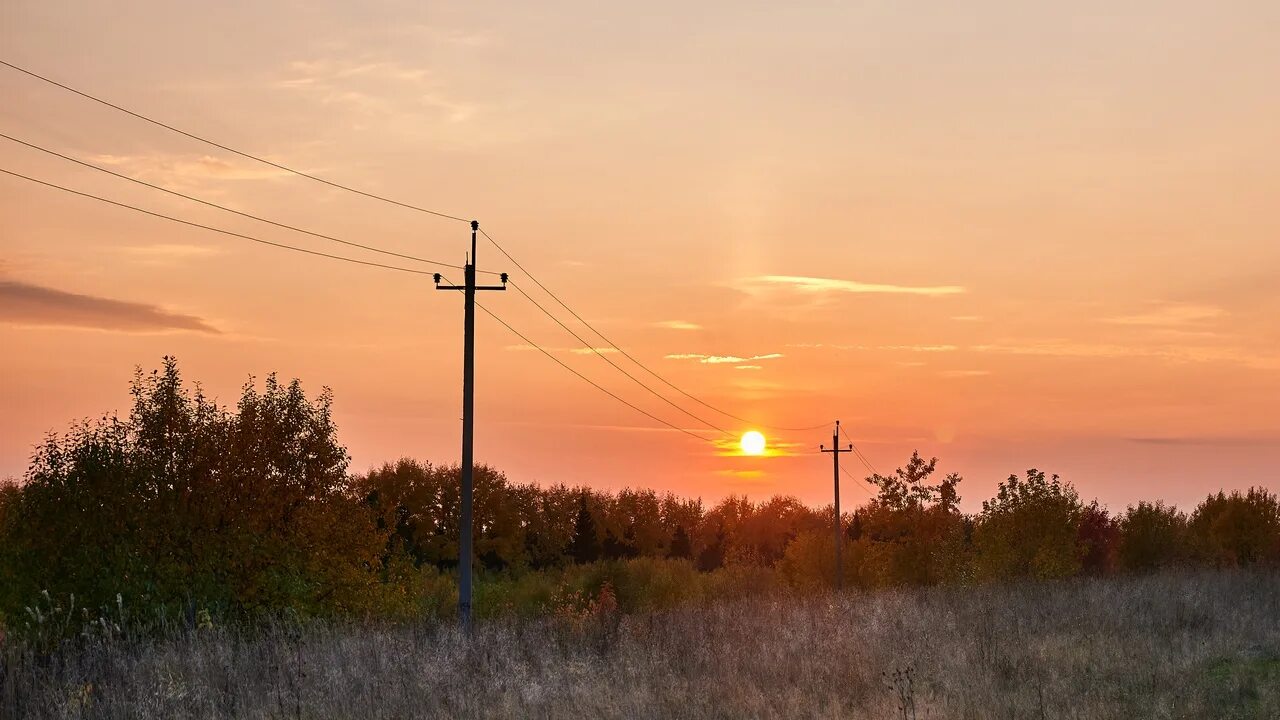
168,253
677,325
1172,353
375,87
748,367
830,285
964,373
38,306
722,359
158,167
1205,440
899,348
1171,315
574,350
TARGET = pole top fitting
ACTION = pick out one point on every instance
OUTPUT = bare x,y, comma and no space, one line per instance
475,225
437,278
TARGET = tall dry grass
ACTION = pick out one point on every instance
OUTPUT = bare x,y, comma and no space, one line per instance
1177,645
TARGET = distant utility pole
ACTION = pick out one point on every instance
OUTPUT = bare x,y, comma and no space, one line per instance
835,457
468,420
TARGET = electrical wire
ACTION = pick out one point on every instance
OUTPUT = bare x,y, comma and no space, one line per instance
628,355
211,228
229,149
580,376
617,367
866,463
224,208
857,482
398,203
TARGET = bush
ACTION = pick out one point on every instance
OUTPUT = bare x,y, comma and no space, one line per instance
1237,529
1030,528
1152,536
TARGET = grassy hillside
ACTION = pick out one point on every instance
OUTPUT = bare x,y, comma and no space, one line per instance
1173,645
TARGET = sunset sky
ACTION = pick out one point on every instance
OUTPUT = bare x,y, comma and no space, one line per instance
1007,235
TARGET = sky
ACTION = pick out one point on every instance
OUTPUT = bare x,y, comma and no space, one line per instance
1006,234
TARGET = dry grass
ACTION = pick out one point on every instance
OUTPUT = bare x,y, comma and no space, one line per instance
1185,645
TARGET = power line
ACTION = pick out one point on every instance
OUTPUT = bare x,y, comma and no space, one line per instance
491,314
615,366
211,228
628,355
225,208
857,482
388,200
584,378
229,149
857,451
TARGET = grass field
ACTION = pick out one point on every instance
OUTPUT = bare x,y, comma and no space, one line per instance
1176,645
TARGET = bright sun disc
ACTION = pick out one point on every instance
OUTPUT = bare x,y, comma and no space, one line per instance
752,443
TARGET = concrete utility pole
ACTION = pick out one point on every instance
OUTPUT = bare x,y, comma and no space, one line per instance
835,457
468,420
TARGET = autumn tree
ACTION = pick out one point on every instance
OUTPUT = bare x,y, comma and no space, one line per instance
1152,536
1237,529
912,532
1099,537
186,501
1030,528
585,546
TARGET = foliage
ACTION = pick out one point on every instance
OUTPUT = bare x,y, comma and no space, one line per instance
1152,536
185,502
1237,529
1030,528
203,515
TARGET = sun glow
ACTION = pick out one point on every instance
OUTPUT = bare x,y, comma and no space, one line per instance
752,443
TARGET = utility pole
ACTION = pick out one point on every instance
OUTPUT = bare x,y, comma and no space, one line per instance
835,457
468,420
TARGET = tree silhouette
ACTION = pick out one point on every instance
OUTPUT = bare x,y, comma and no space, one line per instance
585,546
712,556
680,547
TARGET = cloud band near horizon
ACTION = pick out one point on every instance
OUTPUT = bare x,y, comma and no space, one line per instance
35,305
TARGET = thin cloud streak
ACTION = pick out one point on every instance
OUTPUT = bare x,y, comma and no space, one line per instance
37,306
1171,315
831,285
677,325
722,359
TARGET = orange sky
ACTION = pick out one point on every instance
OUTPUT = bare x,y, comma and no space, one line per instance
1009,236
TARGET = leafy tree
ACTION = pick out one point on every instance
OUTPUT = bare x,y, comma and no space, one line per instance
1031,528
186,501
712,556
1237,529
680,547
912,530
1152,536
585,546
908,489
1099,539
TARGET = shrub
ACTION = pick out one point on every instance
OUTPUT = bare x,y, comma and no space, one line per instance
1031,528
1237,529
1152,536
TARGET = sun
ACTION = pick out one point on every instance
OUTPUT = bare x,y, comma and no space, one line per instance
752,443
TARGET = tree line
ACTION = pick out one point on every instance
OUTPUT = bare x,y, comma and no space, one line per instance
253,509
